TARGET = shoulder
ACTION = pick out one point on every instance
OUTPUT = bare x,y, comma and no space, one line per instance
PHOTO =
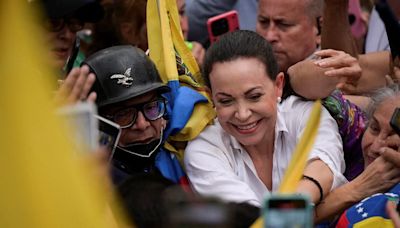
297,108
212,139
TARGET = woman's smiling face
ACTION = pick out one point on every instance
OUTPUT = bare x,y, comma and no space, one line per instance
245,99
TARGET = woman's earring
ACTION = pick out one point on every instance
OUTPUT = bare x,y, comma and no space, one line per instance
278,100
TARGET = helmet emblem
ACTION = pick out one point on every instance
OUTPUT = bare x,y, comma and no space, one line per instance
124,79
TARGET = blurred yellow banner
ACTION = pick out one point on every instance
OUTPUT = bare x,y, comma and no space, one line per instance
295,170
44,183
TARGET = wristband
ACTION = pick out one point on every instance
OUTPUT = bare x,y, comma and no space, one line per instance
321,193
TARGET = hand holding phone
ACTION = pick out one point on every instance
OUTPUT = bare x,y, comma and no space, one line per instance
221,24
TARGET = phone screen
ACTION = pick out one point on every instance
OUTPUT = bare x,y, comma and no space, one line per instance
108,136
221,24
220,27
81,124
289,212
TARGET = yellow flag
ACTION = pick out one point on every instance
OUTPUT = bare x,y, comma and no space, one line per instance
298,162
43,183
167,50
295,170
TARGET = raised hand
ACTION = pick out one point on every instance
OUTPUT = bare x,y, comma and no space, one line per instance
340,64
76,87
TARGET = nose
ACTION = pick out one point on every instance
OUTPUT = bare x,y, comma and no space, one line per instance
378,143
271,33
66,33
243,112
141,122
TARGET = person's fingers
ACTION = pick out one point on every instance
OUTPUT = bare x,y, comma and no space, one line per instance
69,81
353,72
92,97
391,156
393,141
392,173
76,91
328,53
392,213
337,61
87,86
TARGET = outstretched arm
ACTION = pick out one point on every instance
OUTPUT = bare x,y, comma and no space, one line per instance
317,79
377,177
336,32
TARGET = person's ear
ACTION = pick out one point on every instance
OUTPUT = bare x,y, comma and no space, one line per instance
163,123
279,83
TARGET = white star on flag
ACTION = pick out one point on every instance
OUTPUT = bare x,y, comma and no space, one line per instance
390,194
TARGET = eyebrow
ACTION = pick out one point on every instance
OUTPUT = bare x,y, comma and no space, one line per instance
245,93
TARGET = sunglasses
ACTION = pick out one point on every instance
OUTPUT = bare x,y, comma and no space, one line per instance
127,116
56,25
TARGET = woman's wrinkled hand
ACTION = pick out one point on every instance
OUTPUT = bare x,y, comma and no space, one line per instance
379,176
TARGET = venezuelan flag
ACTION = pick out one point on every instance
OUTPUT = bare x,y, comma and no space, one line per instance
189,105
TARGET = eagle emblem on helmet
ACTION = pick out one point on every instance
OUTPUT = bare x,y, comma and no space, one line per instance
124,79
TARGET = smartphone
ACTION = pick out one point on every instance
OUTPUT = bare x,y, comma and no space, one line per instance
185,210
395,121
81,124
287,211
221,24
109,133
71,60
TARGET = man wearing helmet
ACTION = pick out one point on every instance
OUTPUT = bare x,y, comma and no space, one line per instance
129,92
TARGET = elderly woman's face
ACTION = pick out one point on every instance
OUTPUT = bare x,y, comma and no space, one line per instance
245,99
379,133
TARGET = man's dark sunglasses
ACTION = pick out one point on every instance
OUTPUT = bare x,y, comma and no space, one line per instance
127,116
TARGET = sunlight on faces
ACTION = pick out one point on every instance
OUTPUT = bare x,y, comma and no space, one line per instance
291,32
245,99
143,130
379,130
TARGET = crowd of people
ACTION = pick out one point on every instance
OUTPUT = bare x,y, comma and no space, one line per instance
263,81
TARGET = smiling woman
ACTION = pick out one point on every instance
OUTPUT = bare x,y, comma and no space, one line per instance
244,155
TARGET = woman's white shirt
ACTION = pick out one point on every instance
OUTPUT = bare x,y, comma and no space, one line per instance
217,165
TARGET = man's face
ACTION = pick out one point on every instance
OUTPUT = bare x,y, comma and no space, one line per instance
142,130
61,38
292,33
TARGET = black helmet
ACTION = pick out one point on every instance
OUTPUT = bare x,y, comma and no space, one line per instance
122,73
